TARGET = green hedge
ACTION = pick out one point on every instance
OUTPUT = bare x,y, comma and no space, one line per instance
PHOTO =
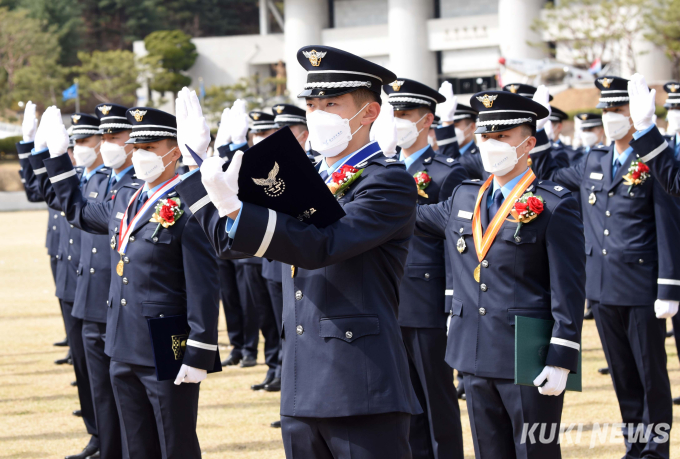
7,145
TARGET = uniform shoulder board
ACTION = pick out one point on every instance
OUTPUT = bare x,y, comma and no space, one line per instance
445,160
476,182
553,188
385,161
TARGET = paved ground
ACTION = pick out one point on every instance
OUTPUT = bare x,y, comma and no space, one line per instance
36,399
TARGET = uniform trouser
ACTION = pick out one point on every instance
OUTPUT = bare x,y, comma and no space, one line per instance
634,345
53,266
510,421
106,413
276,294
157,418
74,332
437,432
233,313
676,331
249,313
375,436
259,305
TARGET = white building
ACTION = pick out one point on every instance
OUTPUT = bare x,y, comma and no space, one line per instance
426,40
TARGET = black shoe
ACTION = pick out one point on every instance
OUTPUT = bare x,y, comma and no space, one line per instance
676,401
275,424
461,392
232,361
670,333
248,362
603,371
78,413
588,315
62,343
90,450
95,456
268,379
274,386
66,359
74,383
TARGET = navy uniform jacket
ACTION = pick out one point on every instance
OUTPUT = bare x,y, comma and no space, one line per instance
539,274
659,154
562,152
632,242
343,353
447,142
421,294
173,272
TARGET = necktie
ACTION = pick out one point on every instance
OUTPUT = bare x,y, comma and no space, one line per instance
324,175
616,166
496,204
137,205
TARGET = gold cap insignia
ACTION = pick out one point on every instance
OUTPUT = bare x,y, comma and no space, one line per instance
75,119
674,87
139,115
584,116
487,100
396,85
606,82
513,88
314,56
105,109
279,109
255,116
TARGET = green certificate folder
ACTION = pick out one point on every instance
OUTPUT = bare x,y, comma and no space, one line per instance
532,338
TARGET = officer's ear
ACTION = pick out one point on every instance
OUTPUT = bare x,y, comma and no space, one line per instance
176,153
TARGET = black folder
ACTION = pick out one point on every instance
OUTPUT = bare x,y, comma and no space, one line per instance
168,340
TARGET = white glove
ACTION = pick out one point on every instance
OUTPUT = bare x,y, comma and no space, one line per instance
30,124
447,110
222,187
40,141
192,129
642,102
386,131
665,308
238,122
542,96
189,374
223,135
57,137
557,380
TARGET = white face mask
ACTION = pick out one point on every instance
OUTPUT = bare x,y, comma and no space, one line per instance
499,158
407,131
114,155
329,134
148,165
589,138
616,125
461,134
673,119
257,139
85,156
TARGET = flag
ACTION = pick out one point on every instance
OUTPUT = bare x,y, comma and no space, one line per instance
595,67
71,92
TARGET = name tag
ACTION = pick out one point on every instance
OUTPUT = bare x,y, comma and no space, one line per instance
465,214
596,176
119,215
93,194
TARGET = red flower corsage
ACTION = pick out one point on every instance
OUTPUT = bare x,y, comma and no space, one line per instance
423,180
527,208
342,179
638,172
166,214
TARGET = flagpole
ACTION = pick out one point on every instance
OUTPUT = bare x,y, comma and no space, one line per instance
75,80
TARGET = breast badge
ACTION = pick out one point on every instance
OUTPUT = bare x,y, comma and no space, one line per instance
460,245
592,199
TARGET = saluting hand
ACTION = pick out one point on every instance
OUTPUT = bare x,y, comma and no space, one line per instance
57,137
192,129
556,380
542,96
386,131
238,122
222,187
223,134
40,141
447,110
642,102
189,374
30,124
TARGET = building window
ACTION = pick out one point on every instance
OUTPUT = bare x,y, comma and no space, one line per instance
471,85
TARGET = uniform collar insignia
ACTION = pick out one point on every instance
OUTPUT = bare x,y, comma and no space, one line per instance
139,115
314,56
487,100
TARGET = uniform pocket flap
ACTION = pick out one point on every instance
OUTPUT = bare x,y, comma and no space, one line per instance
156,309
544,314
525,236
349,328
426,272
640,257
456,307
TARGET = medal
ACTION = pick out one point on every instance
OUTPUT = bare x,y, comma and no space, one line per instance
476,273
592,199
119,266
460,245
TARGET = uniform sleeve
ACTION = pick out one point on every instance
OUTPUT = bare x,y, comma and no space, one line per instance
546,168
653,150
91,217
202,284
667,216
447,141
567,265
29,180
431,219
42,180
457,175
382,210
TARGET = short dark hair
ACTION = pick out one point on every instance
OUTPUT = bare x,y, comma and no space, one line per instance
529,129
363,96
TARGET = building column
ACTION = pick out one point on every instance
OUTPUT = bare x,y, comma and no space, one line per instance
515,18
304,21
410,56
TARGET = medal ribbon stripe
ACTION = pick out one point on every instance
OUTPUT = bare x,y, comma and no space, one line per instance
362,155
483,244
125,229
